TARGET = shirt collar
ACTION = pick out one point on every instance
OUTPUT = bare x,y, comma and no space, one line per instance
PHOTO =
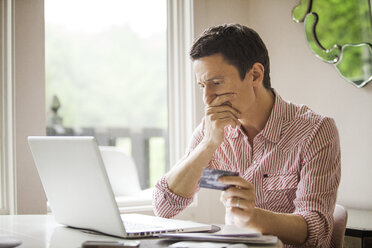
233,133
273,127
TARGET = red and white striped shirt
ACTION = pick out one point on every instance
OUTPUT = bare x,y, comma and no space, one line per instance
294,164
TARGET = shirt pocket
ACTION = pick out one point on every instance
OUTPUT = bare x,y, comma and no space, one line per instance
279,191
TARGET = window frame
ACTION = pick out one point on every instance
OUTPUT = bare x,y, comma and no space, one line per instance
22,105
7,168
181,81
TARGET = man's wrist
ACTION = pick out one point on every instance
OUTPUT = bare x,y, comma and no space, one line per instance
258,220
290,228
254,221
206,151
208,147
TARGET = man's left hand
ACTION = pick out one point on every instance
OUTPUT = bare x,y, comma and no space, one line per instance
239,199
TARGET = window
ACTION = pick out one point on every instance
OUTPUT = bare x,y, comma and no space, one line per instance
22,88
106,76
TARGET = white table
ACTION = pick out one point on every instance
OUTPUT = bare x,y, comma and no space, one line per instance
41,231
359,224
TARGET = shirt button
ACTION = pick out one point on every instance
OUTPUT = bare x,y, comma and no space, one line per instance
254,162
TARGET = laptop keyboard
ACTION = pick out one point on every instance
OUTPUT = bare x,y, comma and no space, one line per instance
139,226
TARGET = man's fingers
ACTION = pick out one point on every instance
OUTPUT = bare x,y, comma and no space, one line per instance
233,192
236,181
223,108
239,199
223,116
237,202
220,99
223,122
240,188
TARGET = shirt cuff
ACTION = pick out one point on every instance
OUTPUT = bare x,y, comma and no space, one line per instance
173,199
166,203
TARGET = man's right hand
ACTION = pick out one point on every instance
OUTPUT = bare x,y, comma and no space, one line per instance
218,114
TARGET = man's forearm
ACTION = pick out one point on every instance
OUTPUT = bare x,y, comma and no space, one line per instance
289,228
184,177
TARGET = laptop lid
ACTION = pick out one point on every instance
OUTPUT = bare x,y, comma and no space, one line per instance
79,192
76,183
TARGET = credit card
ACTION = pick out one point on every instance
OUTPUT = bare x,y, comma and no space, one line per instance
209,178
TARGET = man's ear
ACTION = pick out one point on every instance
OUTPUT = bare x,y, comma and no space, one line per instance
257,74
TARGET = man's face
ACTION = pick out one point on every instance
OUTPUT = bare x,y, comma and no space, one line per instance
217,77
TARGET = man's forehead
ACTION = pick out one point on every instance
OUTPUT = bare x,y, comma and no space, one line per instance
212,67
211,75
208,78
209,72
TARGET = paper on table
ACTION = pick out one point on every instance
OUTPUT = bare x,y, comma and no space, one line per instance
195,244
231,230
263,239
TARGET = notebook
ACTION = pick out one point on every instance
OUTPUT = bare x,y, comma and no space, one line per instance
78,190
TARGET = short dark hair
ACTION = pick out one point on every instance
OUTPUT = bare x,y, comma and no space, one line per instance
239,45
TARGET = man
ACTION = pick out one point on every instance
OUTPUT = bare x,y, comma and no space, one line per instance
287,156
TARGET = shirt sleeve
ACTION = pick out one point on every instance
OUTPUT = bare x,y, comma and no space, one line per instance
319,179
166,203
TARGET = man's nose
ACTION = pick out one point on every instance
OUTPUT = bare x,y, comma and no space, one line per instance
208,94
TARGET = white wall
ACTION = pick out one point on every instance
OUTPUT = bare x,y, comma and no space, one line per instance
301,78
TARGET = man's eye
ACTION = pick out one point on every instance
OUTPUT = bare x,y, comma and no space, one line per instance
217,83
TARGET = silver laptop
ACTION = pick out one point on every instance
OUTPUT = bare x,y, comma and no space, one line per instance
80,195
